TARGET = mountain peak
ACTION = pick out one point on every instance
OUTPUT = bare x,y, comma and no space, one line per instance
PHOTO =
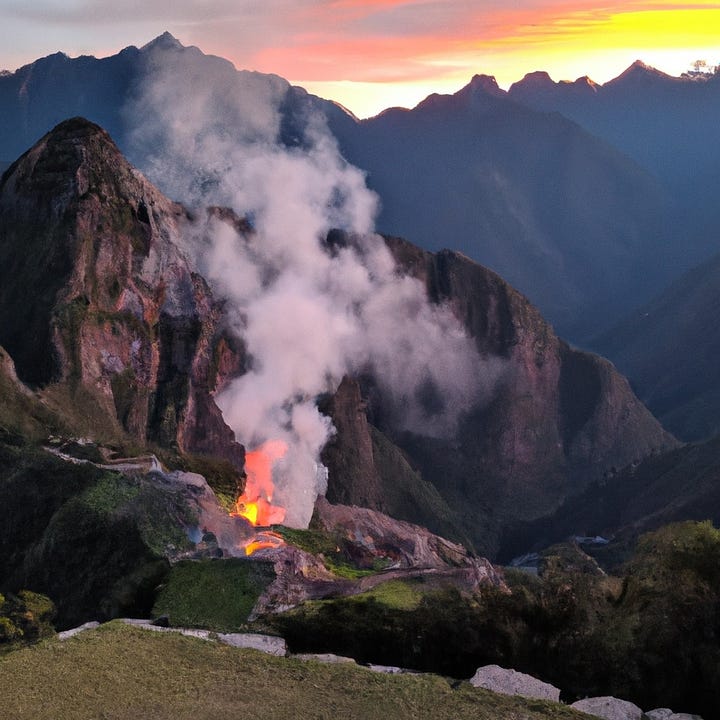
639,71
539,78
166,41
485,83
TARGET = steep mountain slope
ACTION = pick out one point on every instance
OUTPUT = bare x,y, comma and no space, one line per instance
563,216
663,122
682,484
666,124
669,350
97,304
554,421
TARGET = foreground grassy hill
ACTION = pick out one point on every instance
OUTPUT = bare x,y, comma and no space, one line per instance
118,672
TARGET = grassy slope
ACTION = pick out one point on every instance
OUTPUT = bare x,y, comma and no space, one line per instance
121,672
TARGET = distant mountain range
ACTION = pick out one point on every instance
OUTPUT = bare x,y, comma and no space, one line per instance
576,193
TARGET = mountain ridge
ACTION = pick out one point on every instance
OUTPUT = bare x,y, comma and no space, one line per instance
509,219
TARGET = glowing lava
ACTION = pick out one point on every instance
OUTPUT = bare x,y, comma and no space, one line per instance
255,504
264,540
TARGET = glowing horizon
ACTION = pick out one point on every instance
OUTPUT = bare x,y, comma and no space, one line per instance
372,54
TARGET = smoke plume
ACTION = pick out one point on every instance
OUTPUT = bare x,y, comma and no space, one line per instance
307,313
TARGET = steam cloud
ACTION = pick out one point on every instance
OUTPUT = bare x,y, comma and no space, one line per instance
308,314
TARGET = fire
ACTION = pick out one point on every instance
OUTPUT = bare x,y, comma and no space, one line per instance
255,504
264,540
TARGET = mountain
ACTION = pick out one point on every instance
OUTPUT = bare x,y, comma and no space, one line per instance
563,216
669,350
557,419
104,315
664,123
98,306
469,171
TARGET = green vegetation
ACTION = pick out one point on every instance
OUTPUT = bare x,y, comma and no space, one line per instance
24,618
221,475
212,594
332,549
95,541
123,673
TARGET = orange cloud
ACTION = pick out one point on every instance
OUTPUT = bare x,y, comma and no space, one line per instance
336,49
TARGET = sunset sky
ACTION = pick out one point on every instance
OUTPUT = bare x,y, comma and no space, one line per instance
370,54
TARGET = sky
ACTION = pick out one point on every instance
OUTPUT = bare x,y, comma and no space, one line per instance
372,54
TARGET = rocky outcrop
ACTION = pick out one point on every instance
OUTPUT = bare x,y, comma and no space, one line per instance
609,708
511,682
98,304
403,544
369,539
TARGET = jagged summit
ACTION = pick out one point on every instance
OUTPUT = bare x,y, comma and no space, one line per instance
539,82
483,84
166,41
536,79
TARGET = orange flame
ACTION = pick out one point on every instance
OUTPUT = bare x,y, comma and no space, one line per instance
264,540
255,504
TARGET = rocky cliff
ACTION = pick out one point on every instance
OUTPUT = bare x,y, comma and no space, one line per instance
98,306
555,420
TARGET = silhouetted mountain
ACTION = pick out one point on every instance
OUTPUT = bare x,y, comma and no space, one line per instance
563,216
670,349
667,124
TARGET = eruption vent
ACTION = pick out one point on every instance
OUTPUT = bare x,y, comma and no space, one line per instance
255,504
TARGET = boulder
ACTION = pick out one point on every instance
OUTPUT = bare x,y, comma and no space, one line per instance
65,634
511,682
269,644
667,714
609,708
326,658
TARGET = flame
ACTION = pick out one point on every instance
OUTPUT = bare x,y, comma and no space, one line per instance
264,540
255,504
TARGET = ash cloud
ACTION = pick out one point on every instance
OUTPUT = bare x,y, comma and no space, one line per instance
308,313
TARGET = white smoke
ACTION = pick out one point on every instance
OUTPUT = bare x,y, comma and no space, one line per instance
308,314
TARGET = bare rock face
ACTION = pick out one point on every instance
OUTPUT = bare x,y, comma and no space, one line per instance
97,298
511,682
409,551
368,470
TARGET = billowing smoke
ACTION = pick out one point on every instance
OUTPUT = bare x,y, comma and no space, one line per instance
307,312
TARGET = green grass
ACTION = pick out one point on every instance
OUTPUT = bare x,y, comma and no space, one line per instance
212,594
396,594
121,673
330,547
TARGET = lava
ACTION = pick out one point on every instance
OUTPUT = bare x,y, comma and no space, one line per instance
255,503
264,540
